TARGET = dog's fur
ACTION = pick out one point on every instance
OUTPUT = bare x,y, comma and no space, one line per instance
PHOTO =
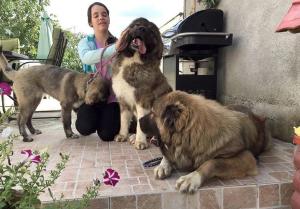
137,80
204,137
67,86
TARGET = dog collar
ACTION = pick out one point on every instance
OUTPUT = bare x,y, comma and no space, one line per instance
153,162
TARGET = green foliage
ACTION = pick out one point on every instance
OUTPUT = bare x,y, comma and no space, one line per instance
22,19
21,183
91,192
211,3
4,116
71,57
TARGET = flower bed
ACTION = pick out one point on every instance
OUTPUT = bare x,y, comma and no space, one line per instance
23,179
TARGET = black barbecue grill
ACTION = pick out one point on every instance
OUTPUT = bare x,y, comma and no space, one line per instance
196,39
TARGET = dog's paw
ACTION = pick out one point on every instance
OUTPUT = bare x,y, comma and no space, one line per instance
37,131
73,136
162,171
27,139
140,145
189,183
132,138
120,138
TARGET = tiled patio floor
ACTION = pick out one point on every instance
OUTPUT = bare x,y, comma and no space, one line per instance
89,157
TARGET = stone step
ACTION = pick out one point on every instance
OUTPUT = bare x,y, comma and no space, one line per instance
138,189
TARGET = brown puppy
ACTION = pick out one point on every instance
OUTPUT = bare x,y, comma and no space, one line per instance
137,80
204,137
69,87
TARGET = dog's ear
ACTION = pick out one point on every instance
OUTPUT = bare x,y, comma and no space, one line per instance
158,51
175,117
123,42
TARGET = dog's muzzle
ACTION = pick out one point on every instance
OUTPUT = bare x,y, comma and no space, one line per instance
149,126
138,45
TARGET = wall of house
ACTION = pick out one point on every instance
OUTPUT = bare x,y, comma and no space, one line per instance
262,68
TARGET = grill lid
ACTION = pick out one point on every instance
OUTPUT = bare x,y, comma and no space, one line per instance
209,20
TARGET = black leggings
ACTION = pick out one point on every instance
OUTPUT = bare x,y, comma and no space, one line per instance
101,117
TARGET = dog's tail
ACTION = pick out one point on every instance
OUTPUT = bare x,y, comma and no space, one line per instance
5,66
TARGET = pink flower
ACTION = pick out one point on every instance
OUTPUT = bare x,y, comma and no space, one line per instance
111,177
27,152
5,88
33,158
36,159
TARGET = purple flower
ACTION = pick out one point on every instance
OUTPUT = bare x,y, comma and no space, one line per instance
111,177
5,88
27,152
36,159
33,158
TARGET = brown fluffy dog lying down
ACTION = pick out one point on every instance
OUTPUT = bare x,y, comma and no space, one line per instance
204,137
67,86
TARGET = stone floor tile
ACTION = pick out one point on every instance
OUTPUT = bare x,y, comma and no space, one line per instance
210,198
143,180
230,182
69,174
135,171
192,201
87,174
117,162
125,202
142,189
70,186
286,190
275,166
271,159
102,203
133,163
282,176
129,181
239,197
149,201
173,200
160,185
269,195
85,163
108,191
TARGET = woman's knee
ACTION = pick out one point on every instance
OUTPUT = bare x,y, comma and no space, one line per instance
84,129
107,135
87,119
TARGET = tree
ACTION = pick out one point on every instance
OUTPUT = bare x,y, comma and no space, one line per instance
71,57
22,19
